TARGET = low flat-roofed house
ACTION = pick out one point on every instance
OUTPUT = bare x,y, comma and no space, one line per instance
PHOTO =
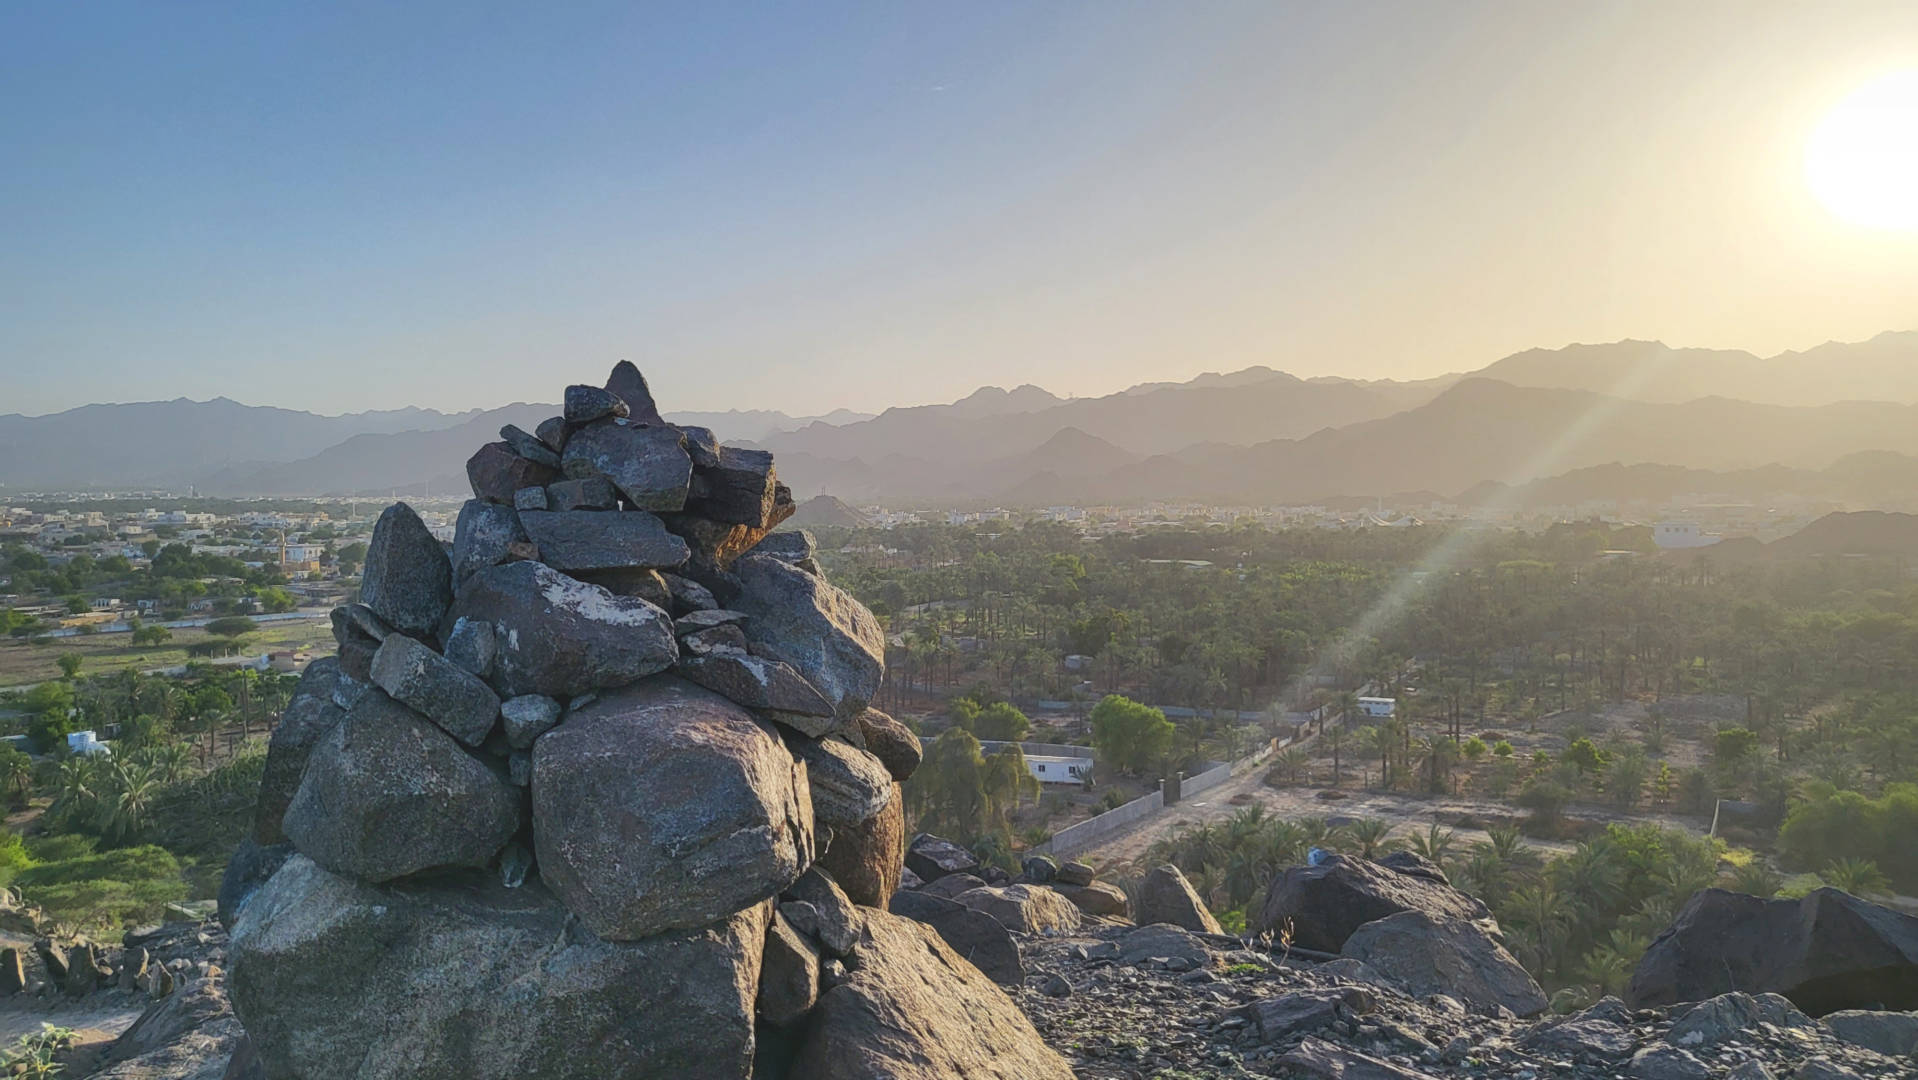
1058,770
1378,706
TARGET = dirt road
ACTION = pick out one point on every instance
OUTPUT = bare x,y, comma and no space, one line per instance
1410,813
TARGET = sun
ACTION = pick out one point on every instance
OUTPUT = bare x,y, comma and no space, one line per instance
1862,159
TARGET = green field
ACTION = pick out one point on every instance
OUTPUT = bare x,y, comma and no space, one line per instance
22,663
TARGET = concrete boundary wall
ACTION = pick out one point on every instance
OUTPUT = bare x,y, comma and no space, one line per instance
1075,838
1210,778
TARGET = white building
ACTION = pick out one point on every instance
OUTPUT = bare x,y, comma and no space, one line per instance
84,744
1378,706
1058,770
1681,534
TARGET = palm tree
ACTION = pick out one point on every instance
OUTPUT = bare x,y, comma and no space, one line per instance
1336,739
1435,845
136,790
1859,877
1538,920
18,776
1372,837
1756,878
1376,741
1291,763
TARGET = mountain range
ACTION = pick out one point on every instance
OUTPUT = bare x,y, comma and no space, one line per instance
1627,416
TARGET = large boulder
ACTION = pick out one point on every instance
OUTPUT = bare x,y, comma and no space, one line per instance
866,859
483,536
589,540
386,793
456,699
1028,909
974,935
1165,896
463,978
849,786
560,637
1427,955
496,474
308,716
1325,903
664,806
1826,951
913,1010
407,581
648,464
1101,898
737,488
893,743
816,627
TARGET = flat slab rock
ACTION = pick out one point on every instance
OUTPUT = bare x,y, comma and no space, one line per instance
1323,1060
431,980
602,539
558,636
933,857
436,688
913,1010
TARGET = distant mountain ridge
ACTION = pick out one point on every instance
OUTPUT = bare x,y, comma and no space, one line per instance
1253,435
1884,368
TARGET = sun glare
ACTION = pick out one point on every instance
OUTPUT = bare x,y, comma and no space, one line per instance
1862,160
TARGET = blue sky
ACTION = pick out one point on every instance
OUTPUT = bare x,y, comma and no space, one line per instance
340,207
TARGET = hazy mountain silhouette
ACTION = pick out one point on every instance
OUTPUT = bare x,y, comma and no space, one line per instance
172,442
1251,435
1882,369
1482,430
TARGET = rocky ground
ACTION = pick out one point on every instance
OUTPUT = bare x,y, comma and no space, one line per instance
1124,1004
1159,1003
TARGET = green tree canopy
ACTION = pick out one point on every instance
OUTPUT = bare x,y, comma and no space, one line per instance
1129,735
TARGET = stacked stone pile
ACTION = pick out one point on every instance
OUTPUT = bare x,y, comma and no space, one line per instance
598,793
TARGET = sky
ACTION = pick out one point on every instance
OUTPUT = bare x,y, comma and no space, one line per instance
807,207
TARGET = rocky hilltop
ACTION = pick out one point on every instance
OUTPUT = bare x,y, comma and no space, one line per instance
596,791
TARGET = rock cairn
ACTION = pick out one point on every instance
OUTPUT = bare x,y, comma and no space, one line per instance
597,793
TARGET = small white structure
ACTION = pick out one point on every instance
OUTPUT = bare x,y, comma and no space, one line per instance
1058,770
1378,706
84,744
1680,534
